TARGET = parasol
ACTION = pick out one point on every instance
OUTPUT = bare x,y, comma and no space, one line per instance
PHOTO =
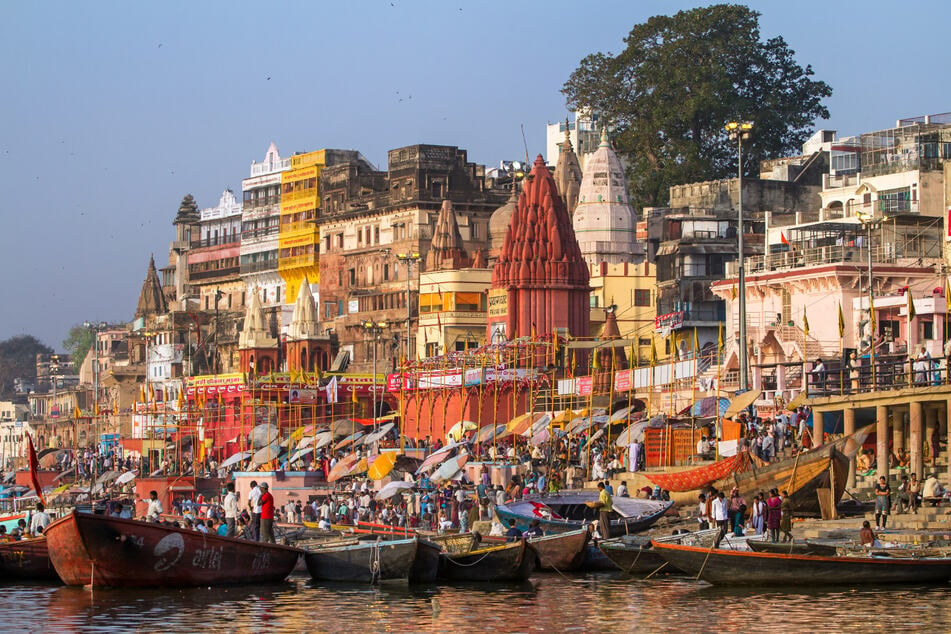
459,429
741,401
234,459
352,438
487,433
635,431
342,467
371,438
263,435
323,439
450,468
128,476
381,465
266,454
393,488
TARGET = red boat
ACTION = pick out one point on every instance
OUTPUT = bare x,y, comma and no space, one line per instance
693,479
27,559
96,550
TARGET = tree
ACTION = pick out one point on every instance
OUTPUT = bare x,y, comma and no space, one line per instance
78,343
680,79
18,360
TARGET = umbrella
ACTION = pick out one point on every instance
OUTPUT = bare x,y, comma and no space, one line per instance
520,423
707,407
266,454
393,488
797,401
128,476
622,413
451,467
263,435
108,476
634,432
541,437
352,438
742,401
369,439
235,459
343,427
63,474
488,432
381,465
459,429
156,472
323,439
540,423
297,434
362,465
437,456
300,453
305,442
342,467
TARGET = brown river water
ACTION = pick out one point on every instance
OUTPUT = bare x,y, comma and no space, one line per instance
546,603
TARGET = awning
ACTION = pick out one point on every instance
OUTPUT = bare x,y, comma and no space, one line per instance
741,402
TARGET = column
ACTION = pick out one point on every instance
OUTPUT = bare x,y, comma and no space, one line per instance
898,431
881,436
818,419
914,420
849,428
931,424
947,426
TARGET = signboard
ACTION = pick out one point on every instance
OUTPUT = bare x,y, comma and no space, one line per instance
353,306
297,395
498,303
578,386
455,378
670,321
623,380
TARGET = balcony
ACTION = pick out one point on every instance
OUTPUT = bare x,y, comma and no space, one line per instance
297,261
257,267
220,241
216,273
254,234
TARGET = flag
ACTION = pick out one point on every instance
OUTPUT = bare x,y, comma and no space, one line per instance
141,393
720,338
34,466
151,392
76,412
782,238
534,333
947,291
733,293
331,389
871,315
181,400
805,322
696,343
595,361
115,408
95,409
911,305
653,352
353,395
554,348
841,323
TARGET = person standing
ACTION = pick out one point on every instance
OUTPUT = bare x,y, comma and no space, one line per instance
721,515
266,514
935,446
154,511
231,510
39,520
254,507
785,522
702,516
758,514
605,506
737,511
773,515
883,502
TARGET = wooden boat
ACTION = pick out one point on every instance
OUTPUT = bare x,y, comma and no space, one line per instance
362,561
568,511
425,568
559,552
514,561
27,559
97,550
797,547
693,479
631,554
826,466
737,567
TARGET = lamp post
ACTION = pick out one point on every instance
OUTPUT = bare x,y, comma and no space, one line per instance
869,221
95,329
374,329
408,259
739,131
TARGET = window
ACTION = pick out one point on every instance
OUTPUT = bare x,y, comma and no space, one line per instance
642,297
376,235
352,274
926,329
468,302
386,272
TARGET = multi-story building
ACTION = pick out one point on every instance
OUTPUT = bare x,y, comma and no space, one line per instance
377,231
631,290
260,225
584,135
214,257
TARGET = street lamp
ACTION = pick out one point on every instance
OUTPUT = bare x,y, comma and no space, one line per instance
739,131
869,221
374,329
95,329
408,259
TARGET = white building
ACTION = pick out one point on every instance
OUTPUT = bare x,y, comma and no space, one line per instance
260,224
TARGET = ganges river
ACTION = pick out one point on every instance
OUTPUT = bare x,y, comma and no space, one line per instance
548,603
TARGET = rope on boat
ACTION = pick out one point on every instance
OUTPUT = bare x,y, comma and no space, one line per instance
712,547
375,563
662,566
634,563
469,565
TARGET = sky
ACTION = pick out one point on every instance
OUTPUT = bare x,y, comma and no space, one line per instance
113,111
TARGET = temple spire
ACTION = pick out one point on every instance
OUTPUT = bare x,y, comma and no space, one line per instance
304,323
445,251
151,298
255,333
568,173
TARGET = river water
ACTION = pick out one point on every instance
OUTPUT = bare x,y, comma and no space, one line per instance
549,603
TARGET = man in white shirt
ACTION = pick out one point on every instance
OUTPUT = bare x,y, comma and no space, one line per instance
39,521
231,510
254,506
721,516
155,510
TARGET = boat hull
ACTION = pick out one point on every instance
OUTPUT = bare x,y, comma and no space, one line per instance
425,568
561,552
95,550
510,562
366,562
632,559
569,511
26,560
744,568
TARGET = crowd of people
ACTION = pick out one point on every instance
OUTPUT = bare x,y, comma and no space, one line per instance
770,513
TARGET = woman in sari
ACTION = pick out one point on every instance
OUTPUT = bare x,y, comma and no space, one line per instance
773,515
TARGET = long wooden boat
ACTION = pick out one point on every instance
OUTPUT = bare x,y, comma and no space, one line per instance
509,562
803,475
559,552
632,555
425,568
27,560
797,547
693,479
362,561
568,511
97,550
738,567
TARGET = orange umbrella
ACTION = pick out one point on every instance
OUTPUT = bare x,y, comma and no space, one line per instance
381,465
342,467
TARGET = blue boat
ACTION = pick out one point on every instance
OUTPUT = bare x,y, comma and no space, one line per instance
569,510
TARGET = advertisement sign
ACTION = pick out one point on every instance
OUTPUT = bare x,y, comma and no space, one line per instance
670,321
498,303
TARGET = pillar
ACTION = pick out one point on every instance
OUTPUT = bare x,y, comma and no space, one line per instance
931,424
914,424
947,426
781,379
818,420
849,428
881,439
898,431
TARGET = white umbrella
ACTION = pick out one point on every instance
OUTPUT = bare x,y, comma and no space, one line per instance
323,439
634,432
300,453
263,435
437,456
305,442
487,433
369,439
235,459
622,413
128,476
108,476
392,488
266,454
537,426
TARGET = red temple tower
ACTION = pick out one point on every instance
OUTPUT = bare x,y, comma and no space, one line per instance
540,266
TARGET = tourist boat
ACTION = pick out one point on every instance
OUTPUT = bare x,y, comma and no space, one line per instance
558,552
693,479
366,561
509,562
26,560
737,567
802,476
634,554
97,550
568,511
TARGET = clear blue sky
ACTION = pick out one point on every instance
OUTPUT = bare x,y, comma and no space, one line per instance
112,111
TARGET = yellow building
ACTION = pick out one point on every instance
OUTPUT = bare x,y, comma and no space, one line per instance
632,289
452,310
299,238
